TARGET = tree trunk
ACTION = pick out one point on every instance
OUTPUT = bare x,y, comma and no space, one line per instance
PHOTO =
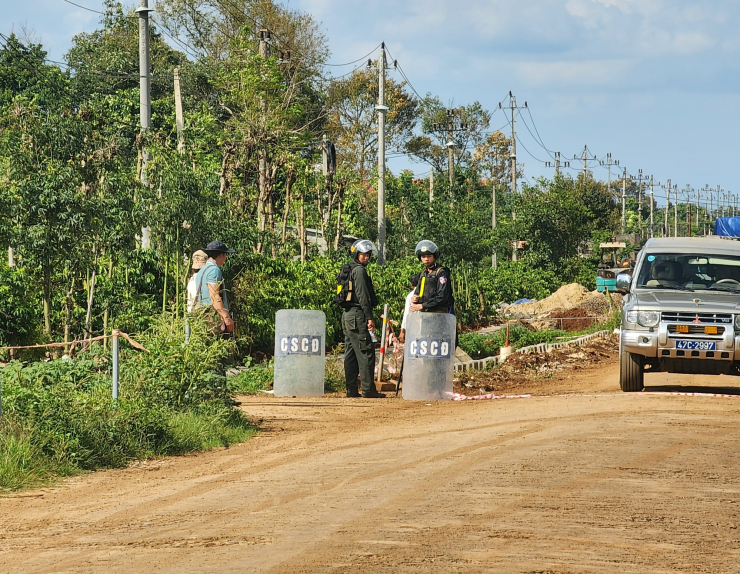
47,301
164,289
106,315
68,312
340,198
302,225
288,193
90,298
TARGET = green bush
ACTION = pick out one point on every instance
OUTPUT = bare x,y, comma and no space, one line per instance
256,378
60,418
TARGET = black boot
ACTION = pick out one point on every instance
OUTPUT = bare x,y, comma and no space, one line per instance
352,391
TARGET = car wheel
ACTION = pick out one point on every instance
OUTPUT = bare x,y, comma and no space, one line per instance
631,376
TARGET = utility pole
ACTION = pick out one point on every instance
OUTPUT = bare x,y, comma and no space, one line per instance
585,158
652,207
431,190
675,211
698,209
624,200
265,51
180,124
493,220
450,147
145,106
381,108
513,107
609,163
450,128
667,231
556,164
639,203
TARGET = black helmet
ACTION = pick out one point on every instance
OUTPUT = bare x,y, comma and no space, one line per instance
427,247
362,246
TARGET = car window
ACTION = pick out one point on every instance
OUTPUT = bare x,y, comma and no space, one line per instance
694,271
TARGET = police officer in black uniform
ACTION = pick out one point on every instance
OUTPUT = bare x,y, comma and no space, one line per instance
433,294
357,322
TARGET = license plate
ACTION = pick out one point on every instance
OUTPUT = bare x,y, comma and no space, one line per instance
696,345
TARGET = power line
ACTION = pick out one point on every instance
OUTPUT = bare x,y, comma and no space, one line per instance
83,7
355,61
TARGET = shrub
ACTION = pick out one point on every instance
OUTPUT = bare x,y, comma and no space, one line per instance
60,418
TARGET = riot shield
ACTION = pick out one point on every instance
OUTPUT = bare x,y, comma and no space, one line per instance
428,362
300,337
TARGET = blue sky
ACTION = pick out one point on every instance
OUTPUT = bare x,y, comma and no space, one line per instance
654,82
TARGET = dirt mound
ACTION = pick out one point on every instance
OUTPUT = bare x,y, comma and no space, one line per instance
575,319
567,297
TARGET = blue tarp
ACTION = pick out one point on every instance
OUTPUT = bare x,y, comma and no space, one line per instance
727,226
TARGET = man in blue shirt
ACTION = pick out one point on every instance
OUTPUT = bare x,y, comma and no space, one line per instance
210,283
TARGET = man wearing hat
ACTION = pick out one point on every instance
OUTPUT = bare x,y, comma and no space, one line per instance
210,283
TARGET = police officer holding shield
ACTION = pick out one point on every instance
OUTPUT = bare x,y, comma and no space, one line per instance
357,323
433,293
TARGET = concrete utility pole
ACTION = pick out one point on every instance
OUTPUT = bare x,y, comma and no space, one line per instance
585,158
639,202
431,190
494,263
179,123
557,163
675,211
451,147
265,52
652,207
145,106
609,163
381,108
450,128
513,107
624,200
698,209
666,229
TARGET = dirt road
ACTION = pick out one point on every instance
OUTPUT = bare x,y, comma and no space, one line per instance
606,482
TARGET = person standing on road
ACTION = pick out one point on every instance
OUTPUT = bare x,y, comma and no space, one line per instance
433,294
210,287
358,323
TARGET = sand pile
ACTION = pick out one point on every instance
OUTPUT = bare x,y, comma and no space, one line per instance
567,297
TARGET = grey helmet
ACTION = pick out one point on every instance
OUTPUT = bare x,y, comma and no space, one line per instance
427,247
362,246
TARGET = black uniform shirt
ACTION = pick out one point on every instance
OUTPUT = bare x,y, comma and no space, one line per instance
363,290
437,288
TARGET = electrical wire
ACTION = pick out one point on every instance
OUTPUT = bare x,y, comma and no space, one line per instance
83,7
355,61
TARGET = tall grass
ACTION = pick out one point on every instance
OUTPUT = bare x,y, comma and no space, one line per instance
60,418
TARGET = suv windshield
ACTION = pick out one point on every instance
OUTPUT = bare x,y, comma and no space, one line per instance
694,271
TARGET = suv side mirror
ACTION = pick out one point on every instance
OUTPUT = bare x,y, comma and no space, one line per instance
624,280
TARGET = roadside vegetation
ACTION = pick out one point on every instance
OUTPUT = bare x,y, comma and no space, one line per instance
59,418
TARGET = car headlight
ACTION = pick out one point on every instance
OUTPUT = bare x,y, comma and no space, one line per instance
631,316
648,318
737,322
